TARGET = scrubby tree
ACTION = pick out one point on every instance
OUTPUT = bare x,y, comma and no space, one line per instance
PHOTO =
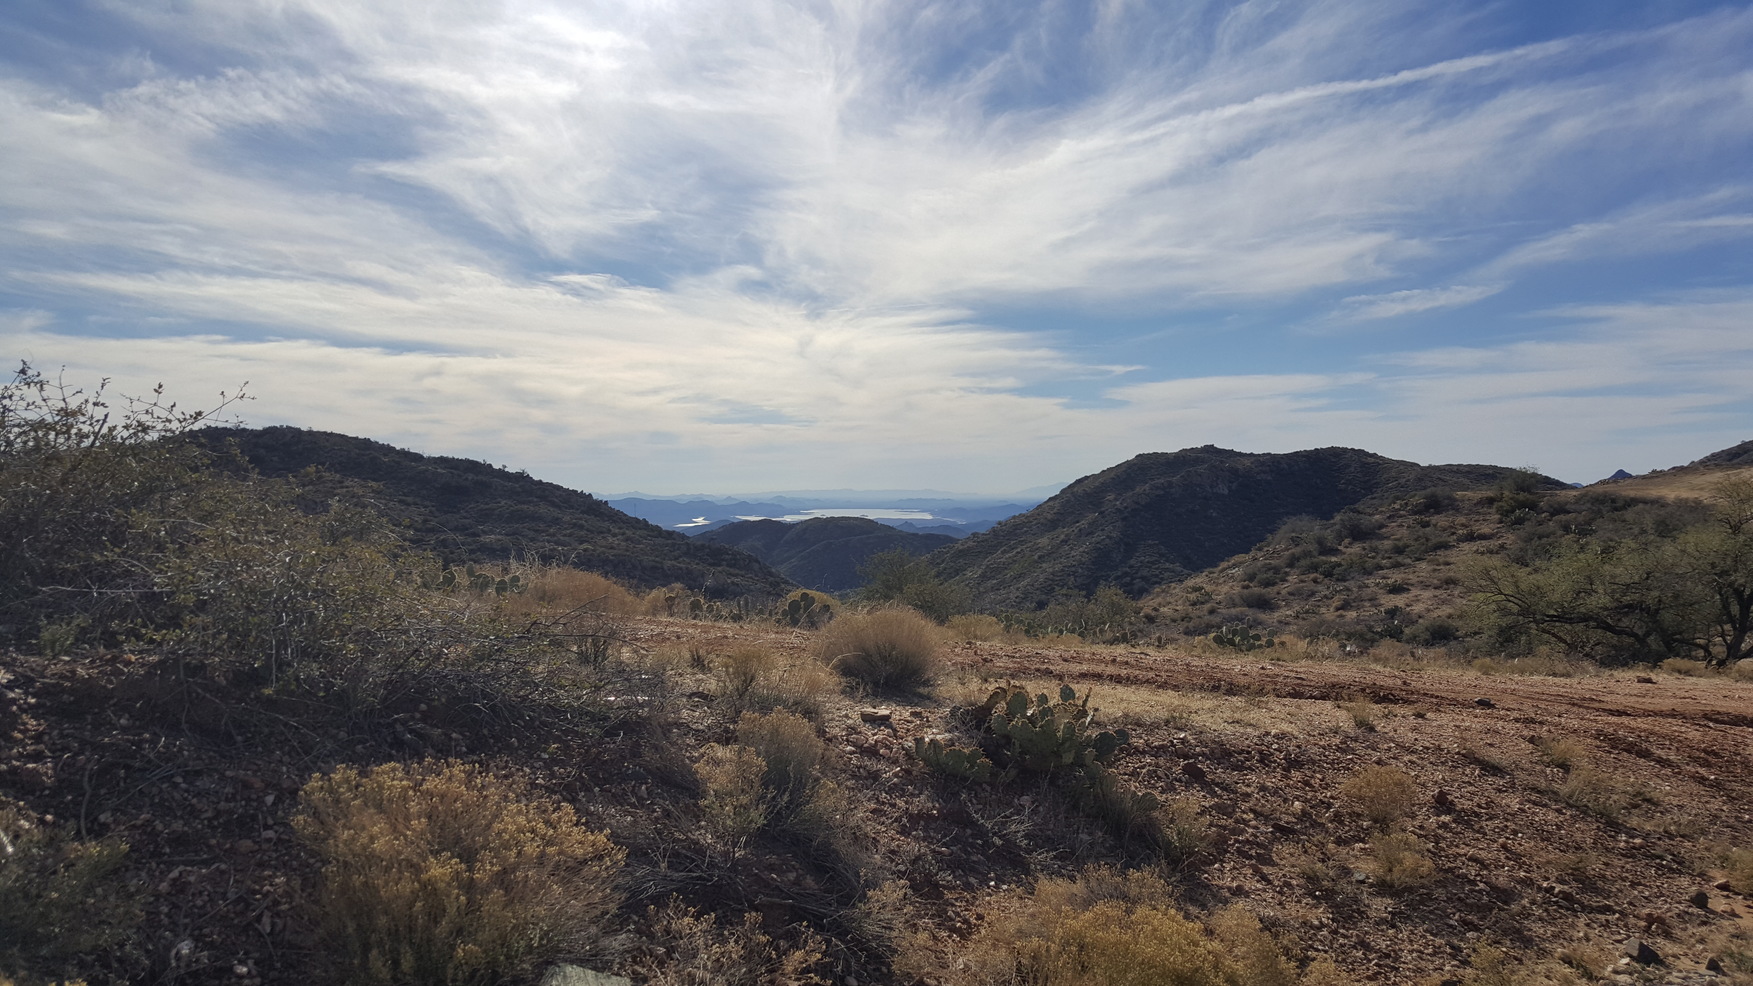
1646,595
898,576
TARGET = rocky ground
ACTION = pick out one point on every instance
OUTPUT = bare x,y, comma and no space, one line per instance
1560,816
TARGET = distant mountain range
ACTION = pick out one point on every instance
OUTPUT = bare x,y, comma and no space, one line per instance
464,510
695,516
1162,516
822,553
1155,519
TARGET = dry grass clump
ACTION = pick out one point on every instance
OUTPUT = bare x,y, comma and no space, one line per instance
440,873
1384,795
1106,928
1738,869
771,779
59,896
1684,667
883,649
1400,862
734,802
791,750
1594,792
1362,712
757,680
696,951
1562,752
554,590
974,627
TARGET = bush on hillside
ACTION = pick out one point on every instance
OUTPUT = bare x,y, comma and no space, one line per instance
882,649
441,874
902,578
60,897
90,495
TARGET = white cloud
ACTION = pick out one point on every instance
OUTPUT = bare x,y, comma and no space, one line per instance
670,242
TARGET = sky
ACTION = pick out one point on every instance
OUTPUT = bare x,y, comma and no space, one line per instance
970,246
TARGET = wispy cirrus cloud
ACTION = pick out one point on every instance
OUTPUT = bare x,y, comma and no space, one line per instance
627,240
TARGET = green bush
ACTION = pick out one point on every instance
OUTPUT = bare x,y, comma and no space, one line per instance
59,896
90,496
441,874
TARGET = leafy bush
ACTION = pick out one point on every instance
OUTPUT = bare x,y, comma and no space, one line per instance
441,873
901,578
89,494
882,649
1384,795
59,896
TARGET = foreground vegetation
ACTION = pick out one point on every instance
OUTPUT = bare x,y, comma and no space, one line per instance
259,737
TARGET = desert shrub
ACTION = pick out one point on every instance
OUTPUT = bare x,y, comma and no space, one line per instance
330,601
59,896
899,577
792,752
1362,712
441,873
1684,667
694,950
970,627
1255,956
1595,792
1255,598
756,679
1433,632
734,801
1738,865
1384,795
882,649
1107,928
1399,861
551,591
89,493
1563,752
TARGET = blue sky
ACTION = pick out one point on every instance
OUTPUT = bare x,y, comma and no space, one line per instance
968,246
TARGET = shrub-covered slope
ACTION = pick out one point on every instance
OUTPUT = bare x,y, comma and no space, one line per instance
464,510
1162,516
822,553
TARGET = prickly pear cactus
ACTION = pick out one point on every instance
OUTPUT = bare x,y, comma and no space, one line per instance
952,761
1238,637
1046,737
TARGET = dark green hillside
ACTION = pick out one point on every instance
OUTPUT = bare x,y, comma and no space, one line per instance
822,553
1160,517
464,510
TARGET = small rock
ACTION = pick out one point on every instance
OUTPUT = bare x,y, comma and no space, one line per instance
876,716
1442,799
1700,899
1644,679
1639,951
1193,771
1723,885
1713,964
1484,703
564,974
